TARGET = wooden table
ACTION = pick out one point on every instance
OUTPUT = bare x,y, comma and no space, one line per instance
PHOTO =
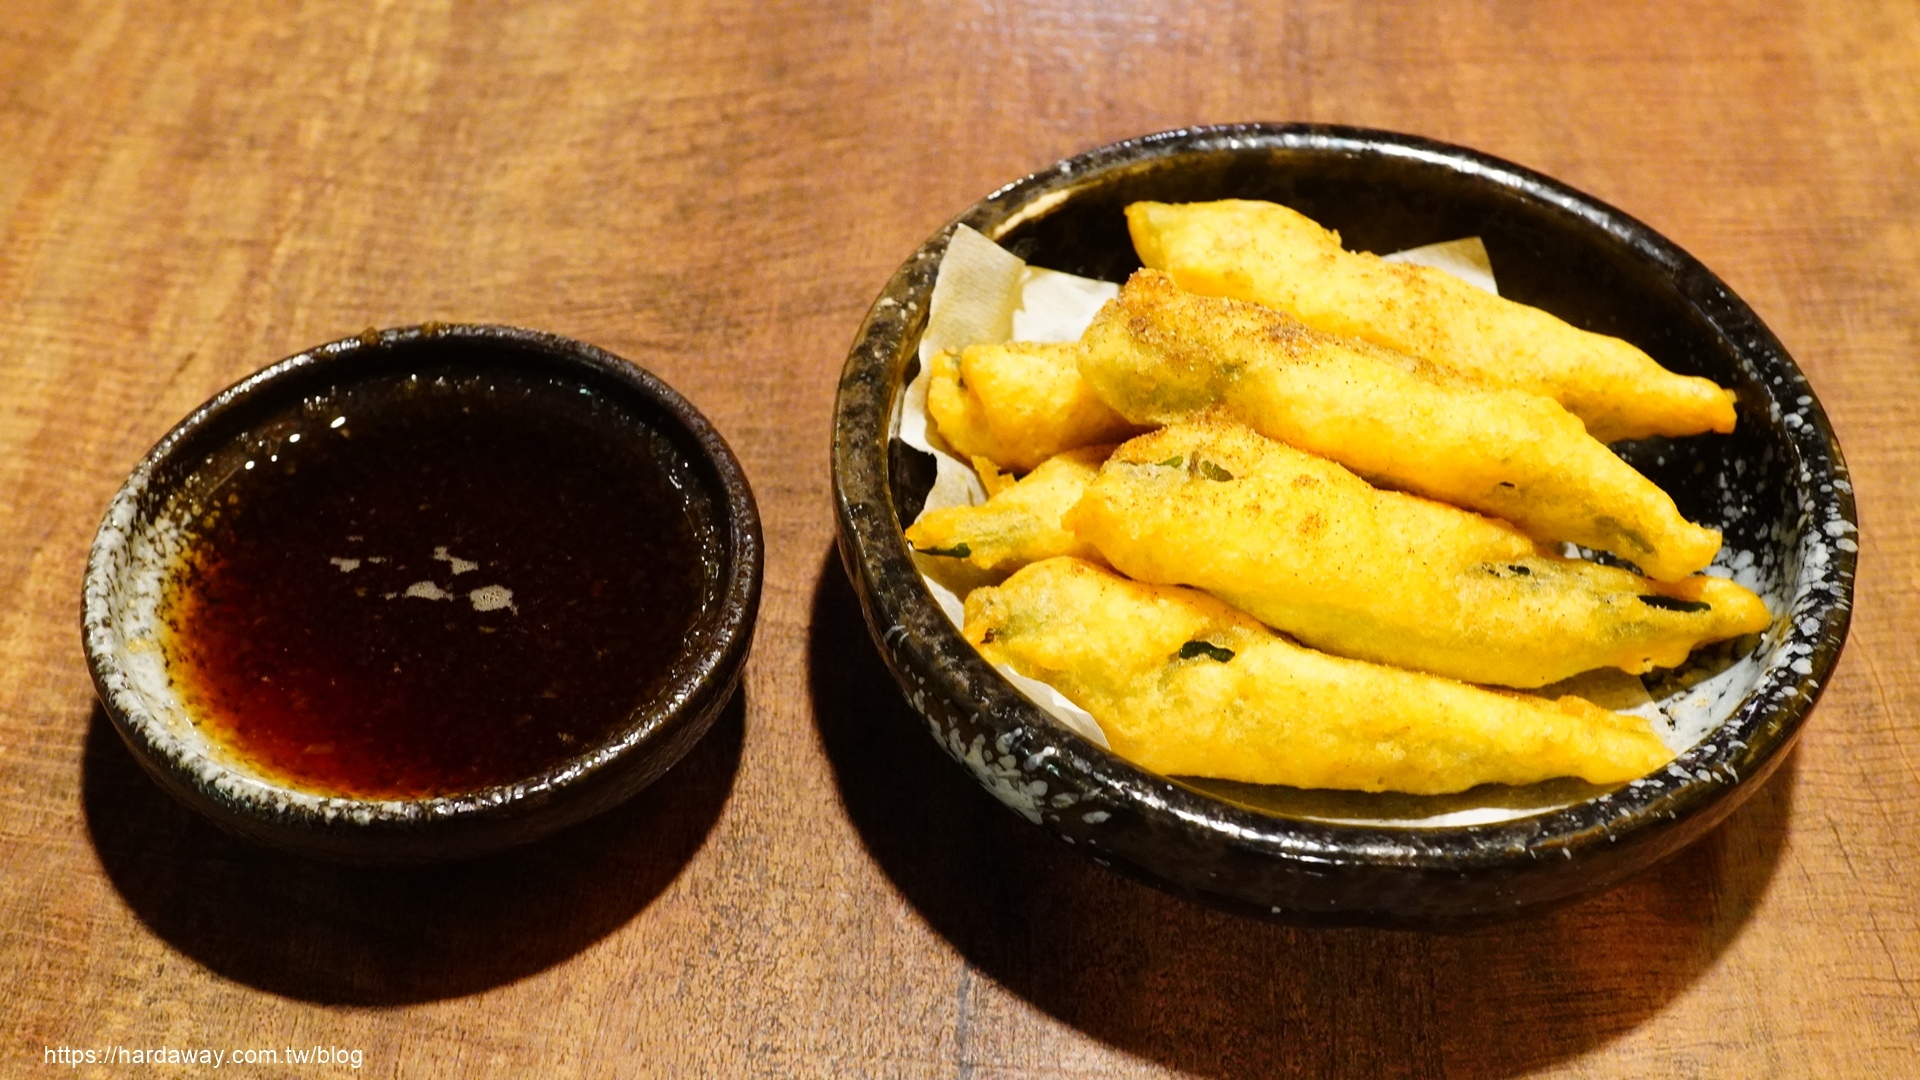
191,190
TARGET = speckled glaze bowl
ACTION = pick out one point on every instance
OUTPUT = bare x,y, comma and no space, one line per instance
1777,487
134,555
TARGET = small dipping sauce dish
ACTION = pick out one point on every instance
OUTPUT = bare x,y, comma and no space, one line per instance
424,593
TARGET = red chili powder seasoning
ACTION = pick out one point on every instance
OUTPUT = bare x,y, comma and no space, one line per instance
432,584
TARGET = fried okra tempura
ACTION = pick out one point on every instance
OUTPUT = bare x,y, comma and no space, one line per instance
1018,404
1271,255
1313,550
1158,355
1185,685
1021,523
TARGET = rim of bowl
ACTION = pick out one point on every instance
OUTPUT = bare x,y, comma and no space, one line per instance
922,645
703,678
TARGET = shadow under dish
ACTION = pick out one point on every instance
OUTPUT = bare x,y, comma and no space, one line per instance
1209,994
336,933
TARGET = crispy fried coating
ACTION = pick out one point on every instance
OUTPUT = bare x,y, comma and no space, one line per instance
957,415
1159,355
1313,550
1184,685
1272,255
991,477
1020,523
1018,403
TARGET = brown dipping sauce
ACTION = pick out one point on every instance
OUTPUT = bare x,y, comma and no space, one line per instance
432,584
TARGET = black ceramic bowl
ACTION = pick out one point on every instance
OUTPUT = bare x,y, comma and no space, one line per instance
1777,487
138,549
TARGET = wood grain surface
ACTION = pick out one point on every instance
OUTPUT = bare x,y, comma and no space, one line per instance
189,191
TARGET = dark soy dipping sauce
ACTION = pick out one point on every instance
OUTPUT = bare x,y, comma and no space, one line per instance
432,584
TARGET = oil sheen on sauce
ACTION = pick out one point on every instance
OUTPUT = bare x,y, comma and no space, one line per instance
432,584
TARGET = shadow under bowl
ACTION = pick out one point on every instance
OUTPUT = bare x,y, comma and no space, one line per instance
1777,488
140,553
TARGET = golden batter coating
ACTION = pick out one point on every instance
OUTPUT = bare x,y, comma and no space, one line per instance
1018,403
1315,551
1020,523
1158,355
1184,685
1272,255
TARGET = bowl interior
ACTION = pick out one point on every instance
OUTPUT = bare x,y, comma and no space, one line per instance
139,552
1543,253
